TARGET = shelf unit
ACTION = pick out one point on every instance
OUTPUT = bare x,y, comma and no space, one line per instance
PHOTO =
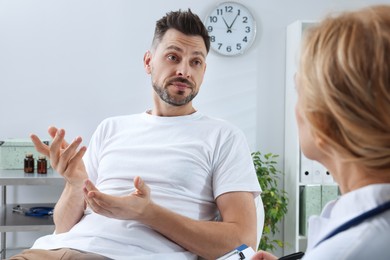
292,154
16,222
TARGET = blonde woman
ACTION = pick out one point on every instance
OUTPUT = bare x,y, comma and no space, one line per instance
343,116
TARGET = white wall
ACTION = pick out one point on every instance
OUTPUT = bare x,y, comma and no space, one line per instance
73,63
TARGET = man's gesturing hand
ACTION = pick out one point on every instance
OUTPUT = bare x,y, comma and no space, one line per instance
133,206
65,158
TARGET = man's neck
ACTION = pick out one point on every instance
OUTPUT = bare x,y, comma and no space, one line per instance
172,111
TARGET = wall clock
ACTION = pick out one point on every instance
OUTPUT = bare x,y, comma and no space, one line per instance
231,27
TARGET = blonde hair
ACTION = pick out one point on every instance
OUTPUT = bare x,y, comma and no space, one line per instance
344,77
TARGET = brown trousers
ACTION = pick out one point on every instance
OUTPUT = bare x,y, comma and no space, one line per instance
57,254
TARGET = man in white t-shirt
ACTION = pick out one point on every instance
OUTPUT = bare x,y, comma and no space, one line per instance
151,185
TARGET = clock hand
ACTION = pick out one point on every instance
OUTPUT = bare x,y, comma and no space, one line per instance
228,28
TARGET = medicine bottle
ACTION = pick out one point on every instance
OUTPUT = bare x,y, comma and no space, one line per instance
29,163
42,164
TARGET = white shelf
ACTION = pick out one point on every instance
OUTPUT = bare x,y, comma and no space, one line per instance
306,184
292,150
15,222
18,177
302,243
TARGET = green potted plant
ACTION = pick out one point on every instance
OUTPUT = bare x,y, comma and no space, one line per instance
275,200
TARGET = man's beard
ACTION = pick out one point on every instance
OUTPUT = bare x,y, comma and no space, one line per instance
179,99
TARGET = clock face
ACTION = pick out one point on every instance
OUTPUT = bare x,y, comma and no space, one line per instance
231,28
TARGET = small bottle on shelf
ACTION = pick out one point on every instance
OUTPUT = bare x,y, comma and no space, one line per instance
42,164
29,163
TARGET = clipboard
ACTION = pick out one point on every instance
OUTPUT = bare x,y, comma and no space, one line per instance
240,253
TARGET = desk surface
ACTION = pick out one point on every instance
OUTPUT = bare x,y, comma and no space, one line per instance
18,177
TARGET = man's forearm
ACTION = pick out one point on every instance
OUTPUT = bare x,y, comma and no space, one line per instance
69,209
209,239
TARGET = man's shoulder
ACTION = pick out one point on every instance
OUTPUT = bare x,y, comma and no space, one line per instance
220,124
115,123
120,118
217,121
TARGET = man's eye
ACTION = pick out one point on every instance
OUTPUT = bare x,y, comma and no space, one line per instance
197,62
172,57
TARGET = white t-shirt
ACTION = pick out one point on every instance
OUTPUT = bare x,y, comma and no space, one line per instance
368,240
187,162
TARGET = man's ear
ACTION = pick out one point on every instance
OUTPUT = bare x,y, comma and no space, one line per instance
147,60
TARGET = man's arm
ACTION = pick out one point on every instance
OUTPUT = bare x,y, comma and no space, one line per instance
69,209
66,159
209,239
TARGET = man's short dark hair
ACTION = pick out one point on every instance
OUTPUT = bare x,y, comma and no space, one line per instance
185,22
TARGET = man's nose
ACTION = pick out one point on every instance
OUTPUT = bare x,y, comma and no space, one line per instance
184,70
